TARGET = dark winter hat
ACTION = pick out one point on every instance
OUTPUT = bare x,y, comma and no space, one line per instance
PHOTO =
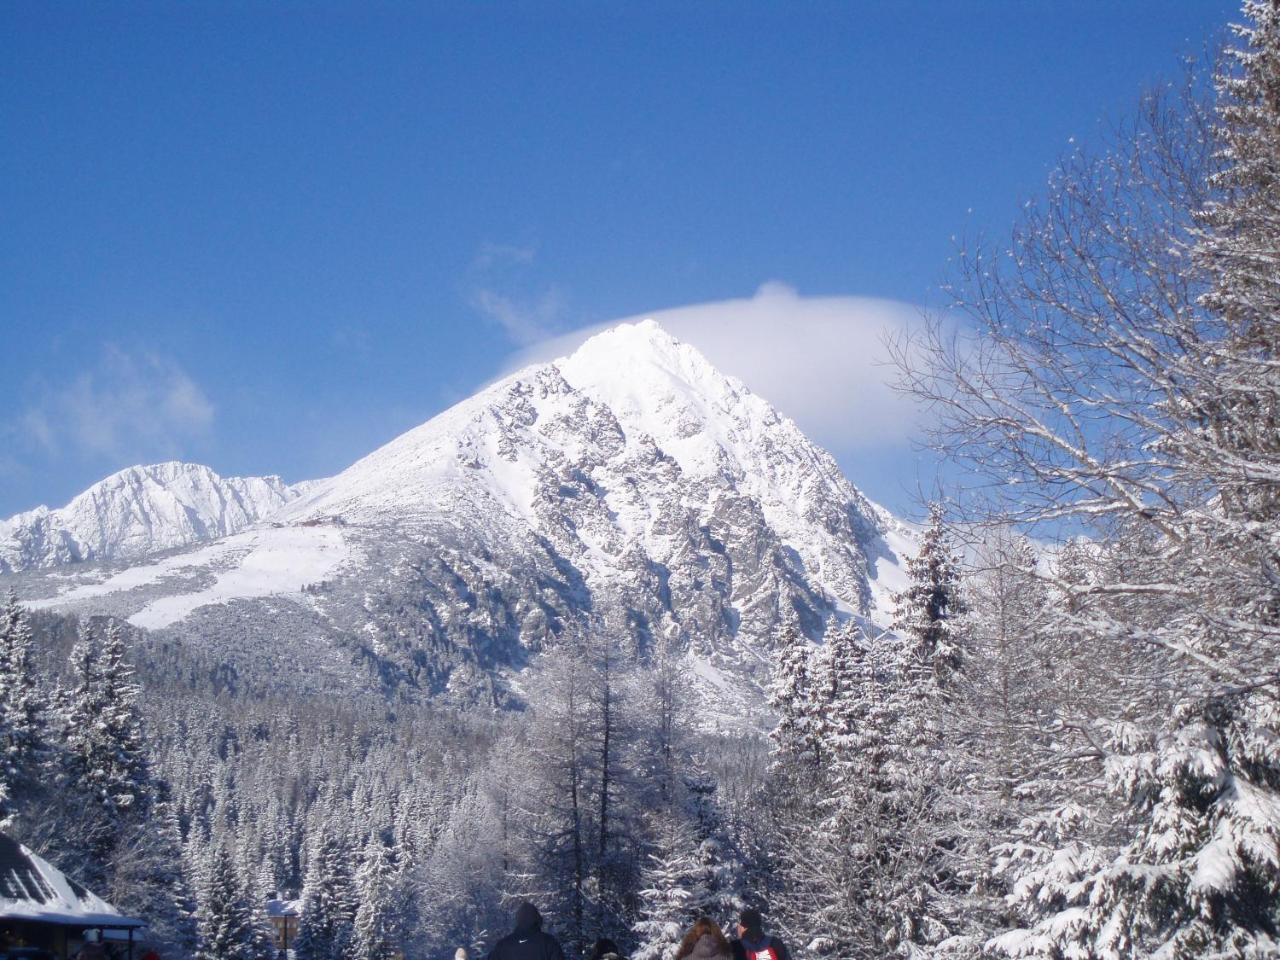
528,917
604,948
751,920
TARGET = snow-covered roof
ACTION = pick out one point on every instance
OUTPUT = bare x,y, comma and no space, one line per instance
284,908
31,888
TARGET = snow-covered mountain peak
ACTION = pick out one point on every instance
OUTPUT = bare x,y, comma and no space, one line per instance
630,484
638,425
139,511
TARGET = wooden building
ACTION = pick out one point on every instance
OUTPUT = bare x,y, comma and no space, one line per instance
284,916
44,909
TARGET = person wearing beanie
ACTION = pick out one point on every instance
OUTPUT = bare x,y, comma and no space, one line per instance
527,941
753,943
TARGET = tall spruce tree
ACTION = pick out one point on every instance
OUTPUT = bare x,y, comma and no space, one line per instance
329,899
379,925
106,752
22,734
928,610
228,927
791,696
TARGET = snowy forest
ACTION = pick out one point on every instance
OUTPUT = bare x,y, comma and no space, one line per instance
1068,745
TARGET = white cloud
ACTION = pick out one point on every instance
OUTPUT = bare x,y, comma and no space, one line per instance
501,290
820,360
126,406
525,320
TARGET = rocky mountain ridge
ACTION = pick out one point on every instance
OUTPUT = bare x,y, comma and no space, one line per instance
630,487
137,512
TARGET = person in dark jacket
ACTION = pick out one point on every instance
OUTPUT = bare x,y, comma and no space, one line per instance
753,943
527,941
704,941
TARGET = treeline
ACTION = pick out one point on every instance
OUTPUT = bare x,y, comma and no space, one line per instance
399,828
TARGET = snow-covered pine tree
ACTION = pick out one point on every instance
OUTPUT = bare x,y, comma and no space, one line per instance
228,928
692,872
790,696
379,924
22,734
105,748
1236,399
928,610
666,897
884,716
129,786
329,900
717,866
834,845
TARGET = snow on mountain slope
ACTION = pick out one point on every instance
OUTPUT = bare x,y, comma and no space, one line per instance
634,458
263,562
629,418
137,512
630,486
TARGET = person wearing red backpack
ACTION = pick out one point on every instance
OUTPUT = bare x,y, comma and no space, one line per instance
753,943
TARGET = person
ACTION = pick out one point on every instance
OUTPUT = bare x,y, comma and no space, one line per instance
459,954
753,943
527,941
705,941
604,949
92,948
151,954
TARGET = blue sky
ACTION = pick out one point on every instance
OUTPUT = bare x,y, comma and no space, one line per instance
269,237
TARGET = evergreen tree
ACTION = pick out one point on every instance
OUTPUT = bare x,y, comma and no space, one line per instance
692,872
22,744
329,901
1234,401
666,896
378,923
228,928
106,751
928,610
791,696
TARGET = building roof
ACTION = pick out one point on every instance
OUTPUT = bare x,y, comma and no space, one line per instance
33,889
284,908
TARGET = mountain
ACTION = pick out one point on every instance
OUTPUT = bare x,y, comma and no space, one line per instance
630,487
137,512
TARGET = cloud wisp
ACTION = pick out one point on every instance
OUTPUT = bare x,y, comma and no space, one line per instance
125,406
820,360
500,291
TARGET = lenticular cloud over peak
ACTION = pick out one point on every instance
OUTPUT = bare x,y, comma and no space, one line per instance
820,360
